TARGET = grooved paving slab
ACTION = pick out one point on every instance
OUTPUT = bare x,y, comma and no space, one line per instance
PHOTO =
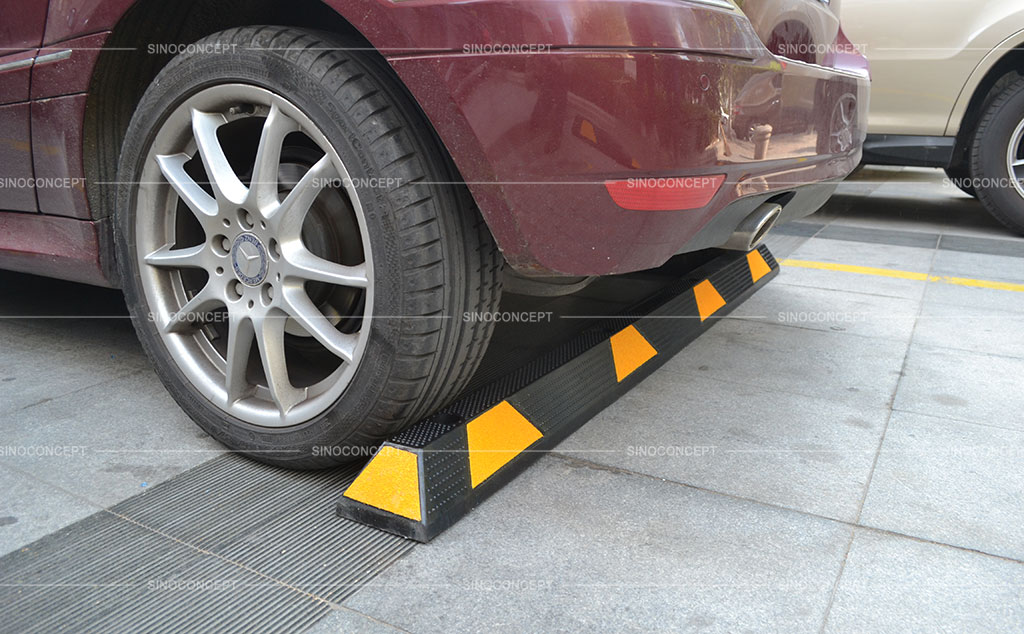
229,546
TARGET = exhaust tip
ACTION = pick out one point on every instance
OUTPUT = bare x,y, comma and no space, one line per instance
752,231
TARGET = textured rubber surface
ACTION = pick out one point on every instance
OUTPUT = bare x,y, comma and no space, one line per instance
988,157
230,546
556,393
434,258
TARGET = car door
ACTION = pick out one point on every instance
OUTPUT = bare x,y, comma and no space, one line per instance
21,33
922,55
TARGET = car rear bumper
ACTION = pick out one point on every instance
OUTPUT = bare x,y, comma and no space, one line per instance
549,129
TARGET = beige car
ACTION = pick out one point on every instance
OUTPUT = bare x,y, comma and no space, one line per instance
948,91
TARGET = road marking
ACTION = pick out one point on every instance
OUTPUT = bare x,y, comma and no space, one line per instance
904,275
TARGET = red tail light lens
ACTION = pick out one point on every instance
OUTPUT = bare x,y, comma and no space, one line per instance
665,194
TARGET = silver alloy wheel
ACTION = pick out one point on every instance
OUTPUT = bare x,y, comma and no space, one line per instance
248,274
1015,158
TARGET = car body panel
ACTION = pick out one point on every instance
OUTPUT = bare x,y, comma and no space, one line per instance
1012,42
612,89
926,63
537,154
21,32
53,246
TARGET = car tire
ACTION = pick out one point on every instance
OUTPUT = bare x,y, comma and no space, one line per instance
998,184
378,256
961,178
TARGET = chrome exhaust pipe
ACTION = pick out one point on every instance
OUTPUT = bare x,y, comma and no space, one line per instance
752,231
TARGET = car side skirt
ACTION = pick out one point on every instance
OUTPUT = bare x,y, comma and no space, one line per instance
917,151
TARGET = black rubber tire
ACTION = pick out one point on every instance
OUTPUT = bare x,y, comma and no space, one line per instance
988,157
434,257
961,178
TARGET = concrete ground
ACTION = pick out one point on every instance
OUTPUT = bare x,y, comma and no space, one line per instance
843,454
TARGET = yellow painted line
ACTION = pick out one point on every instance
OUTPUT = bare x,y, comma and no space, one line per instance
495,438
630,350
904,275
391,481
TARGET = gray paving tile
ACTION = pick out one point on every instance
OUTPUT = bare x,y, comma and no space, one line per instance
890,213
345,621
976,222
979,266
967,327
919,239
13,337
107,442
799,229
963,385
893,584
999,300
832,311
30,510
56,358
990,246
950,482
851,282
568,547
809,454
32,378
782,245
855,371
863,254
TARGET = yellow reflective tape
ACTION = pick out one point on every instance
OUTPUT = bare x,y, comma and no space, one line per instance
630,350
708,299
390,482
496,437
758,267
905,275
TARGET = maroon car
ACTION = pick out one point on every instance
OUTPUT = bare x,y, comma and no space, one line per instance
301,200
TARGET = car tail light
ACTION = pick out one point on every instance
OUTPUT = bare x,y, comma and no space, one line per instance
665,194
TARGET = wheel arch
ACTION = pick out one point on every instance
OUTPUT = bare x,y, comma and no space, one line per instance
131,59
119,79
999,69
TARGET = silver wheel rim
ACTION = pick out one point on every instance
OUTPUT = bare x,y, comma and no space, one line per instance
263,314
1015,159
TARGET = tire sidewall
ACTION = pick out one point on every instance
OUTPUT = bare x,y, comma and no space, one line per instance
992,177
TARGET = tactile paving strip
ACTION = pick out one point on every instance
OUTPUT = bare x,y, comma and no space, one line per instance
229,546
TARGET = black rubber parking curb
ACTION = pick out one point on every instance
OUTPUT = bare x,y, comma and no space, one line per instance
426,478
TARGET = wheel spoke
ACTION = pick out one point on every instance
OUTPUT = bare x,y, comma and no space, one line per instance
307,266
184,320
307,315
263,189
291,213
240,337
173,168
225,183
187,258
270,339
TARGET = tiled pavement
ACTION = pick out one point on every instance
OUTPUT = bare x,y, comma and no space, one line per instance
845,453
